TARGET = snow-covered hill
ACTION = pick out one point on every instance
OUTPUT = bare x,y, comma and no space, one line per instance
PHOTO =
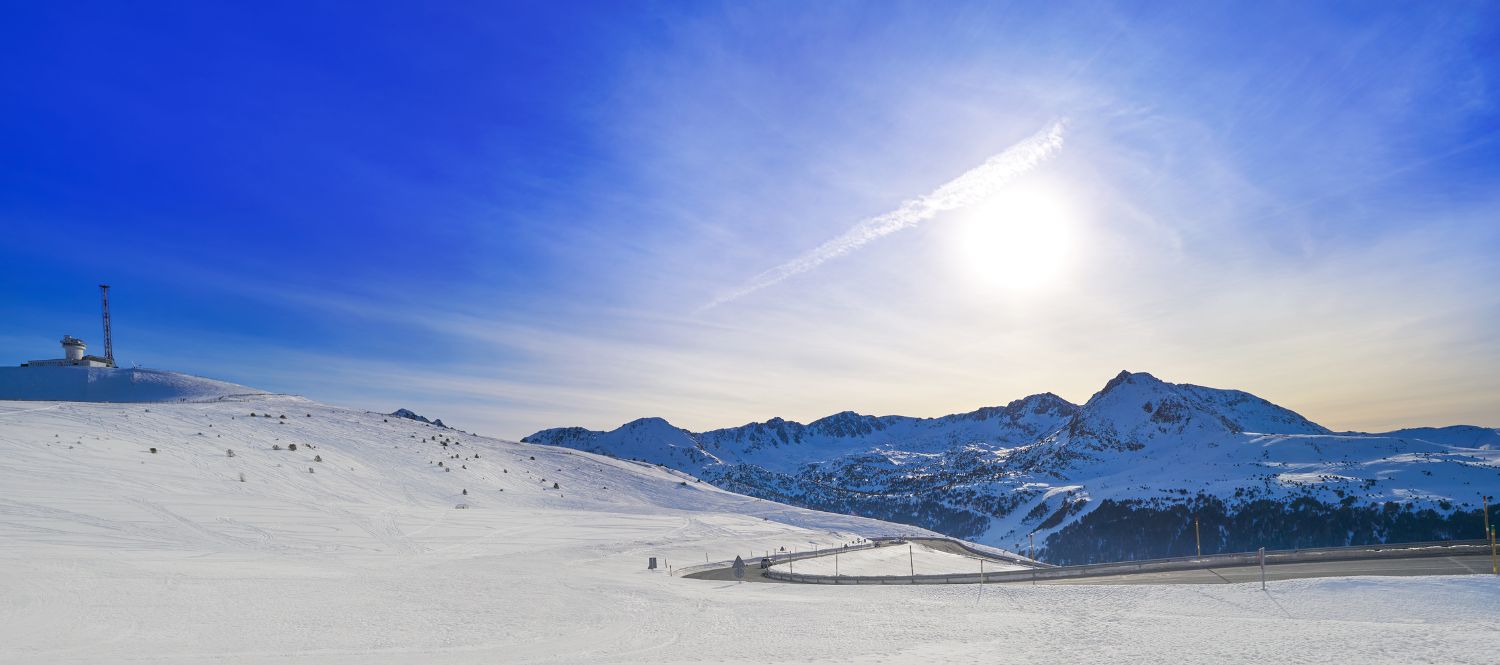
227,545
1120,476
111,384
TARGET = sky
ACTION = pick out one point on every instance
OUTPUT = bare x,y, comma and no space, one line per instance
515,216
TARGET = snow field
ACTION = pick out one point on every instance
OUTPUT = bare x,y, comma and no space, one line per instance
110,554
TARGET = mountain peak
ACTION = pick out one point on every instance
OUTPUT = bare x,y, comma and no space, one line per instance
1136,407
1128,377
648,422
412,415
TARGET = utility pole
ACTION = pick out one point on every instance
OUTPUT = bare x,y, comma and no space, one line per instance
1197,538
1031,546
911,559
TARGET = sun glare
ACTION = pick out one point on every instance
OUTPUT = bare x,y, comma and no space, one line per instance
1020,240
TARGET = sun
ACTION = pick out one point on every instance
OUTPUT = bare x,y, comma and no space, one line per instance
1022,239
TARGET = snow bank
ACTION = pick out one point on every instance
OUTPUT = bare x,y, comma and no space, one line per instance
111,384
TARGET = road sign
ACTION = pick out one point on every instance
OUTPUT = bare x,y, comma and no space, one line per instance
739,568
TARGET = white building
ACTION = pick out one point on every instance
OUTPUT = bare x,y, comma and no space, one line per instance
73,355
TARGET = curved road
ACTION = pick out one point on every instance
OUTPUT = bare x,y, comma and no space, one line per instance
753,573
1461,564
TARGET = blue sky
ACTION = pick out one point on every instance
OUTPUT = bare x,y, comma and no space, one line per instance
513,215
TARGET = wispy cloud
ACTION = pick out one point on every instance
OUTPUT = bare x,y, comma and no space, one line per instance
973,186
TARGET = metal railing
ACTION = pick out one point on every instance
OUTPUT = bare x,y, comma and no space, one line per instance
1348,553
871,543
780,557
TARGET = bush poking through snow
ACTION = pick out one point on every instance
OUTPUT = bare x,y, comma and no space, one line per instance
229,452
153,451
317,458
275,446
291,446
242,476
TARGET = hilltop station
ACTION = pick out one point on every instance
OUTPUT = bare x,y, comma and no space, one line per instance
74,348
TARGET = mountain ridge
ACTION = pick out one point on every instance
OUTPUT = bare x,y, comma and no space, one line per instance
1044,465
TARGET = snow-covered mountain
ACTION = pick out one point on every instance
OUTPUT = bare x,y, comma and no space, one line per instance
194,531
1120,476
256,528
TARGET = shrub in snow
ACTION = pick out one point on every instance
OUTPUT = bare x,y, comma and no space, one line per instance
309,469
448,469
283,416
229,452
242,477
466,492
554,486
275,446
252,414
291,446
317,458
153,451
533,458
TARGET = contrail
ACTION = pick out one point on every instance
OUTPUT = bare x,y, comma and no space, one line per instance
971,187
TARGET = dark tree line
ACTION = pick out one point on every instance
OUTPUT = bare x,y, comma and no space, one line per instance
1133,530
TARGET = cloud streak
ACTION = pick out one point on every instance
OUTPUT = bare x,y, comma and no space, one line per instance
973,186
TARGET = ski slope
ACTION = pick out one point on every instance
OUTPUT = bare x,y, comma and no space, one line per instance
110,553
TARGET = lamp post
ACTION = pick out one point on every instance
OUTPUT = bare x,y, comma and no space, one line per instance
1489,532
1197,539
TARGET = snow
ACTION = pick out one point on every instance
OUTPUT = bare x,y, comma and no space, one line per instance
893,560
1012,468
110,553
111,384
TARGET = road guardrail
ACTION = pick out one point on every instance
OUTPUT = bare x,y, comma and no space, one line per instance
1347,553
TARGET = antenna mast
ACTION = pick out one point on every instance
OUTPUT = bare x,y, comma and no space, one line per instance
109,345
